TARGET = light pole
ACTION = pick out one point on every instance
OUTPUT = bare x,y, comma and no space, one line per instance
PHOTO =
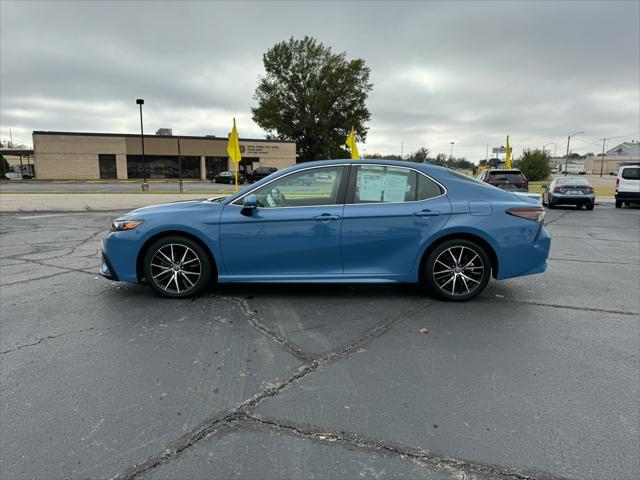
145,185
566,160
451,154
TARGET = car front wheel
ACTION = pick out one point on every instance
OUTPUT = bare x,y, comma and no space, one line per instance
177,267
458,270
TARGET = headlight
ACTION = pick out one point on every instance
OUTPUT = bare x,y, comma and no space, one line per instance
119,225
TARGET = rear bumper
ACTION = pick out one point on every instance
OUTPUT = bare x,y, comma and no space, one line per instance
559,199
525,258
630,196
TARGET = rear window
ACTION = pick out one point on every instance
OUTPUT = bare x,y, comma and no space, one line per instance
572,181
511,176
631,173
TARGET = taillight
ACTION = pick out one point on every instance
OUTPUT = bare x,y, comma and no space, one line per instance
617,184
530,213
559,189
589,189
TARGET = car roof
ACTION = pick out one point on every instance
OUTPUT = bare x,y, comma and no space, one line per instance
425,167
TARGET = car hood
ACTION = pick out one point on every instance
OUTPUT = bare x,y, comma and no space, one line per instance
174,207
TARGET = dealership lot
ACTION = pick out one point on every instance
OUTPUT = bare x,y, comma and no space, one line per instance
537,377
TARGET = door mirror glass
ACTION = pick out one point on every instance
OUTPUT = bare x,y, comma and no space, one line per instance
250,201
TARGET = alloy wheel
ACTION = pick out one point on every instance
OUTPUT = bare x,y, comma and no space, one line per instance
458,271
175,268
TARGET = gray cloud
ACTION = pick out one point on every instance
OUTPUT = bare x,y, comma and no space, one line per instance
468,72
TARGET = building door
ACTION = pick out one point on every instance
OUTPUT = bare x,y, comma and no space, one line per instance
107,164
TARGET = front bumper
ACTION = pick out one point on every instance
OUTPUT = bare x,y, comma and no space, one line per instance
106,268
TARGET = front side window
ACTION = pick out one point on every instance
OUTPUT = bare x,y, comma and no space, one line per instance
318,186
380,184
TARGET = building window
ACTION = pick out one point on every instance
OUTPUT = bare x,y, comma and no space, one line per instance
215,165
107,165
162,166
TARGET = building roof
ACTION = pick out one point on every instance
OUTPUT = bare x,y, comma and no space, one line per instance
206,137
625,149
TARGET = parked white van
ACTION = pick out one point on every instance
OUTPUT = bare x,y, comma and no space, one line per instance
628,185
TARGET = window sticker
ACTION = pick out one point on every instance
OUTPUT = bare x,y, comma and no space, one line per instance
371,183
396,187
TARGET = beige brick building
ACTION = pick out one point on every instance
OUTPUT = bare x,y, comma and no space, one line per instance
94,156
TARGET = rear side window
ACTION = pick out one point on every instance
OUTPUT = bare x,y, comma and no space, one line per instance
631,173
381,184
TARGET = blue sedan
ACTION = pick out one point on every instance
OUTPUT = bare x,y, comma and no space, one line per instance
347,222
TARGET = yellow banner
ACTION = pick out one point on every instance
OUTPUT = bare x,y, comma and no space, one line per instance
351,143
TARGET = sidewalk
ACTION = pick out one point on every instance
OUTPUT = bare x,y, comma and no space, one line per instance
84,202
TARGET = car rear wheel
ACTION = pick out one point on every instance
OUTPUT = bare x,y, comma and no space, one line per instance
458,270
177,267
590,206
618,204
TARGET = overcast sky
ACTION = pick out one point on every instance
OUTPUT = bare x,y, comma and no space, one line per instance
463,72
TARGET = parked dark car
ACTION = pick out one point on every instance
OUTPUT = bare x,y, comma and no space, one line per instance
569,191
229,177
512,179
261,172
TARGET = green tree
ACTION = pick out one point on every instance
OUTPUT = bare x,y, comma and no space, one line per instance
313,97
534,164
4,167
420,156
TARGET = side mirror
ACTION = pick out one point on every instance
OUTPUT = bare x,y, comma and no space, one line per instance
250,202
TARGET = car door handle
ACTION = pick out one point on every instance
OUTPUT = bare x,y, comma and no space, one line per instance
426,213
326,217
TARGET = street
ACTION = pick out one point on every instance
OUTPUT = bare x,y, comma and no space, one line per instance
536,378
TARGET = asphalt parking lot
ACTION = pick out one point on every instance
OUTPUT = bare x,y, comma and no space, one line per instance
537,378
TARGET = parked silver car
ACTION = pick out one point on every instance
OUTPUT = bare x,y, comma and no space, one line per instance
569,191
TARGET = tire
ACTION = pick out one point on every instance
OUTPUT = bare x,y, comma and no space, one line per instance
469,258
552,205
177,267
590,206
618,203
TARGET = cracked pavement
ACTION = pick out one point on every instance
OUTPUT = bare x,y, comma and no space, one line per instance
536,378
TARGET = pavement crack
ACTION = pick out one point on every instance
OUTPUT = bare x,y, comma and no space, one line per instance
48,337
212,424
418,456
570,307
255,322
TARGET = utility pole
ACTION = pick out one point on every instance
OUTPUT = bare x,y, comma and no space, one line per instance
602,158
401,149
451,154
566,160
